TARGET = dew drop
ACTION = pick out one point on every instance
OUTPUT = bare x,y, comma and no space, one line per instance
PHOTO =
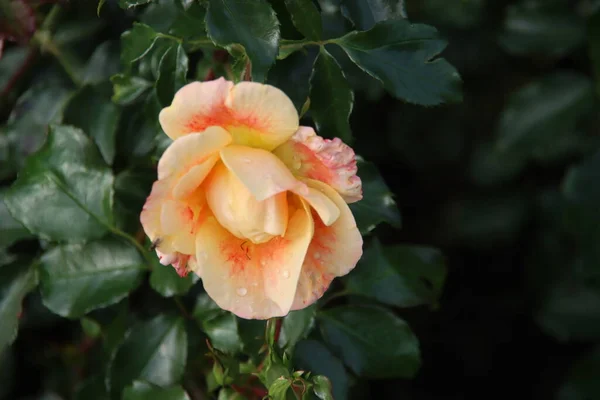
241,291
263,263
247,160
286,274
317,255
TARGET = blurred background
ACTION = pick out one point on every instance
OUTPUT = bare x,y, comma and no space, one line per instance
505,184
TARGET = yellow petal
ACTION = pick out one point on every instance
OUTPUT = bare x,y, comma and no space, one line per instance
266,117
334,251
191,150
323,205
254,281
263,174
195,107
237,209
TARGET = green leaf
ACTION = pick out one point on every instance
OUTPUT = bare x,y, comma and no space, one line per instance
278,389
545,32
100,4
103,63
252,335
579,186
92,111
313,356
78,278
593,48
249,23
27,125
582,381
377,204
372,341
132,3
220,326
90,327
16,280
366,13
144,391
544,109
92,389
66,181
172,71
306,18
127,89
296,326
292,76
322,387
131,190
331,98
166,281
11,231
136,43
12,59
401,55
154,351
403,276
230,394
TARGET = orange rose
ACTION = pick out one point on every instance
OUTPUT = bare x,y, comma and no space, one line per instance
250,201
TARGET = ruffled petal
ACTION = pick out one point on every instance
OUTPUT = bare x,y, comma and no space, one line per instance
265,116
327,210
254,281
330,161
195,107
192,150
236,209
263,174
256,115
333,251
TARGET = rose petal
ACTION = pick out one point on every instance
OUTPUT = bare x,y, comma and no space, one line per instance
192,150
330,161
333,251
327,210
263,174
254,281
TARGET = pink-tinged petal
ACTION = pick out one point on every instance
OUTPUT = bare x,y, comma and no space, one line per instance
333,251
181,262
195,107
327,210
238,211
150,216
330,161
263,174
192,150
266,117
193,178
254,281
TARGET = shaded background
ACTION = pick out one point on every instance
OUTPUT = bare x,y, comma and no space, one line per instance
505,184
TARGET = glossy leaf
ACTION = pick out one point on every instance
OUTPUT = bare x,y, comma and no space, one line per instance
92,389
90,327
314,356
132,3
127,89
366,13
279,389
378,204
403,56
78,278
172,71
136,43
103,63
131,190
219,325
539,31
166,281
543,109
372,341
322,387
16,280
92,111
154,351
331,98
144,391
292,76
11,230
66,181
296,326
306,18
402,276
249,23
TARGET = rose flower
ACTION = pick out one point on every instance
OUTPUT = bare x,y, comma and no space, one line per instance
253,203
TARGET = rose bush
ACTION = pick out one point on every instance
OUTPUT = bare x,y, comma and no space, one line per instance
250,201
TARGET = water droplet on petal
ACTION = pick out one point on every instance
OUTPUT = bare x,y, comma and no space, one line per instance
263,262
286,274
241,291
317,255
246,160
